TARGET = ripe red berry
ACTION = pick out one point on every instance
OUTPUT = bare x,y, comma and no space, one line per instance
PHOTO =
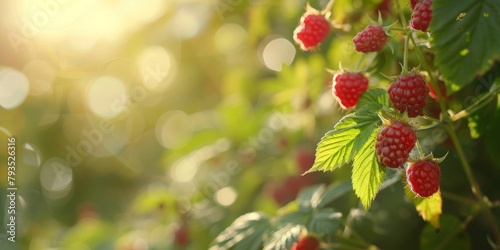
394,144
371,39
421,16
413,3
423,177
312,30
348,87
306,243
408,93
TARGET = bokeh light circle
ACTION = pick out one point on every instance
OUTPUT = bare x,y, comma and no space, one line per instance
107,96
157,67
277,52
174,129
14,88
56,178
226,196
229,37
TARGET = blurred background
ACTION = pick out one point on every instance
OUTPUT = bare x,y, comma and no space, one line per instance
137,122
154,124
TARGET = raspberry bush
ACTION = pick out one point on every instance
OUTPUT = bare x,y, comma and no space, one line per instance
409,73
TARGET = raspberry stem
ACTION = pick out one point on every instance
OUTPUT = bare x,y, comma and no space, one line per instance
484,100
361,58
328,7
420,150
405,55
401,15
433,125
405,27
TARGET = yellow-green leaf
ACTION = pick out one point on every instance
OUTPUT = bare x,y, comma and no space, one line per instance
350,134
367,173
429,208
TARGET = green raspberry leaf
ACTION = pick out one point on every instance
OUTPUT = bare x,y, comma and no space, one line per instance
367,173
283,237
318,196
246,232
430,208
379,96
332,193
285,230
488,117
339,146
324,221
309,197
465,37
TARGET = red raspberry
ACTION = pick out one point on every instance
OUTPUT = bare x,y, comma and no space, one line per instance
312,30
371,39
421,16
408,93
413,3
348,87
394,144
306,243
423,177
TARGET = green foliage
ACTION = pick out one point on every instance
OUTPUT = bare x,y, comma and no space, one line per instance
465,37
284,236
449,236
245,233
379,96
324,221
367,173
487,118
354,138
350,134
283,230
332,193
429,208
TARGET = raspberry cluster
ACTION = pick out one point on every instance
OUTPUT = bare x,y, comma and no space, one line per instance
407,93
